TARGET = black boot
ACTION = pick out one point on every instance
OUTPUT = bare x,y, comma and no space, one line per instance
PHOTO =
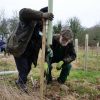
21,86
49,76
49,79
60,80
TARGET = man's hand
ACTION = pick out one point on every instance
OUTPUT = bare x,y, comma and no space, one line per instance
48,16
50,52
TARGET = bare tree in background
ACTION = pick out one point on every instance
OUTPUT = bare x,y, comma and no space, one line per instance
75,25
8,25
3,24
13,22
57,28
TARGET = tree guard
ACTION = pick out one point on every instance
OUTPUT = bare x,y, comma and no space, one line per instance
50,29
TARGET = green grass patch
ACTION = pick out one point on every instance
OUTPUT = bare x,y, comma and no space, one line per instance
90,76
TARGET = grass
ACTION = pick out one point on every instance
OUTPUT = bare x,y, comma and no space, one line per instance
93,61
90,76
79,81
83,83
7,63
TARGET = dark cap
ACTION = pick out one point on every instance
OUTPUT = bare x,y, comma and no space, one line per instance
45,9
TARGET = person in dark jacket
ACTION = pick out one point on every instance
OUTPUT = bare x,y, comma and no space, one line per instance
63,50
29,41
2,46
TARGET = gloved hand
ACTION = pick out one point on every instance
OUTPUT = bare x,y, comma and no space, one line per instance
50,52
59,65
48,16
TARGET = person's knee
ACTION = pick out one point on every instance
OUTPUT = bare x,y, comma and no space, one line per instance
69,66
66,68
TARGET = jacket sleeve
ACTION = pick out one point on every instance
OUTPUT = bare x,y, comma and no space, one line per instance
27,14
71,54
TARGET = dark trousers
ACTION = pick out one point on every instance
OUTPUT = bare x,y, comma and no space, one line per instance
23,66
64,72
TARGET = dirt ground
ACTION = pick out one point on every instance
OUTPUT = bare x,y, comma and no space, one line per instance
54,91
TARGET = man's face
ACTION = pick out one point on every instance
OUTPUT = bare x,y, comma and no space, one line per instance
64,40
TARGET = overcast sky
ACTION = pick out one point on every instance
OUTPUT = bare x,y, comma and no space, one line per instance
88,11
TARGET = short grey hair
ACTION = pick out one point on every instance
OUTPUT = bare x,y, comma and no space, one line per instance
67,32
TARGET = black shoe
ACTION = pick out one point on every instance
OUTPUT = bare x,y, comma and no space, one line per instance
21,86
49,79
60,81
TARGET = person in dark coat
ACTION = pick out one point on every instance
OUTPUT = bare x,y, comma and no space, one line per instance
26,50
2,46
63,50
